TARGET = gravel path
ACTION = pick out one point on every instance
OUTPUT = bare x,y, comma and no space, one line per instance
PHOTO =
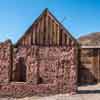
85,93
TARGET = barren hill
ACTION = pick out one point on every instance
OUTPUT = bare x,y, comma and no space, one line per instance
90,39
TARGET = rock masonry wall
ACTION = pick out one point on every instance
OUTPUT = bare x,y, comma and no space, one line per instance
5,61
48,65
37,70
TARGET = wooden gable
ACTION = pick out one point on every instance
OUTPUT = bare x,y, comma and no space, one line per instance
46,30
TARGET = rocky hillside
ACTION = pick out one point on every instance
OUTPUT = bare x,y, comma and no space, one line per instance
90,39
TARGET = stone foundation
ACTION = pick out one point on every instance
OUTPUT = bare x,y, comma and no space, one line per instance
26,89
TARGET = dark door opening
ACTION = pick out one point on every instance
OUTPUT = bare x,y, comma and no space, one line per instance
20,71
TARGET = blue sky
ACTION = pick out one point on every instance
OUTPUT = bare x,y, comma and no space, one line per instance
82,16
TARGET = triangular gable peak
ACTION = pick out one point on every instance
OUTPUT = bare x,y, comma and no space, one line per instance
46,30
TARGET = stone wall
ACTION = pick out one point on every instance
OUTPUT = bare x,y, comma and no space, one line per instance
5,61
25,89
46,65
37,69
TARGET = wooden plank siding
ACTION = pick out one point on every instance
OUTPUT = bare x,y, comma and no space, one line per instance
89,65
46,31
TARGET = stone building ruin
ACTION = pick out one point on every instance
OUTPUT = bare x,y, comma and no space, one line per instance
47,59
43,61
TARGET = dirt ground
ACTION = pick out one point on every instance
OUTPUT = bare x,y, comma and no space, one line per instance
90,92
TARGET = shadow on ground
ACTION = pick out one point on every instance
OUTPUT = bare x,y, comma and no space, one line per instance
89,91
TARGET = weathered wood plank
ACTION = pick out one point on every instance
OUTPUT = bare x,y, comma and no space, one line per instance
54,25
51,32
63,38
33,35
46,35
68,40
23,41
60,37
29,38
42,32
53,35
58,34
38,32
